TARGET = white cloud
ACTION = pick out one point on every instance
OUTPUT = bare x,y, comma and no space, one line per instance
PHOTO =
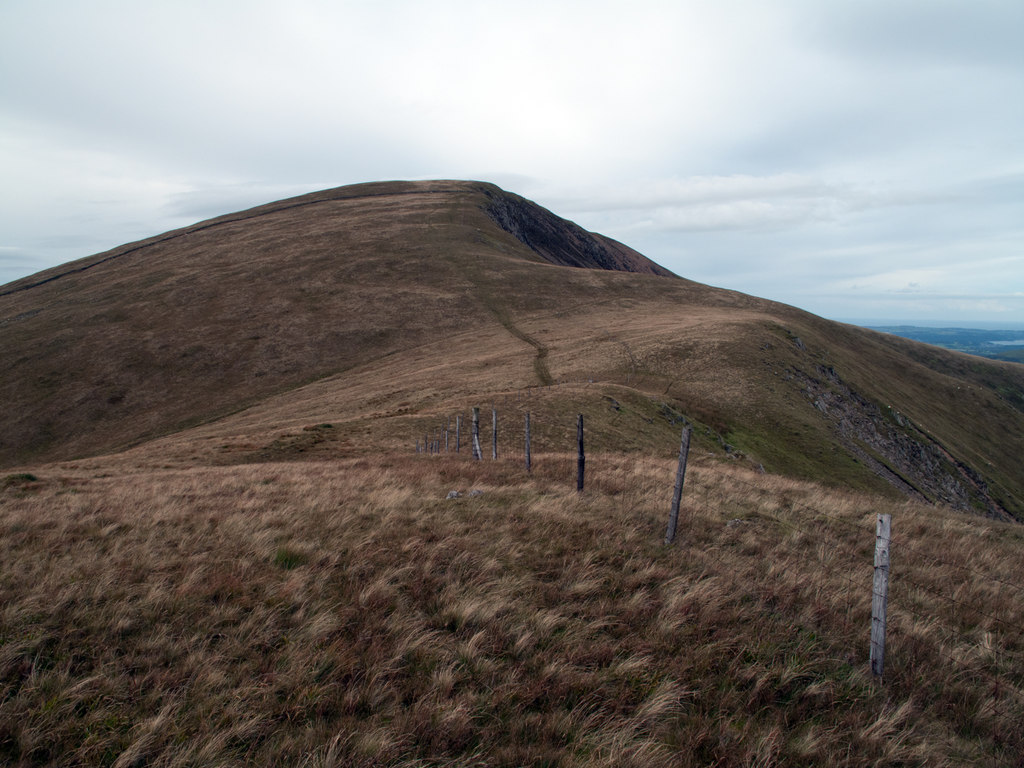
784,149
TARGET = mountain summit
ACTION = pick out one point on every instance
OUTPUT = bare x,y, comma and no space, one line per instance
380,307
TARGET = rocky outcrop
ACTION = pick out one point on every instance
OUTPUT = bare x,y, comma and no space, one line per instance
562,242
893,447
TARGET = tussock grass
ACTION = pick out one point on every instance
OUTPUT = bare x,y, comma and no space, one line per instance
347,613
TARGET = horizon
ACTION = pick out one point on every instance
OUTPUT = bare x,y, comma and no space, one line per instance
854,159
969,325
860,321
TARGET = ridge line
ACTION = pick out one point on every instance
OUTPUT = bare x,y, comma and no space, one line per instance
200,227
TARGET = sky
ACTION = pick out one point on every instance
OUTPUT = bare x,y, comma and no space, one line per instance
861,159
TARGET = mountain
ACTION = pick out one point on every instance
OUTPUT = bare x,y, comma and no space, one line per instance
384,308
220,545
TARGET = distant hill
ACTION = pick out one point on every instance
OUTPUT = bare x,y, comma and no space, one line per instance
381,308
995,344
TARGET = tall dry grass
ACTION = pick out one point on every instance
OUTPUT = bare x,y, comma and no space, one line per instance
348,613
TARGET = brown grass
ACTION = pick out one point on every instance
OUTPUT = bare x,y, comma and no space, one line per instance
285,582
372,307
347,613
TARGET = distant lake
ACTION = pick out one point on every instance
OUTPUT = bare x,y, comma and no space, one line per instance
997,343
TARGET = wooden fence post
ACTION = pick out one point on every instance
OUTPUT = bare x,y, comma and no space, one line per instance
527,441
677,491
880,593
458,432
477,453
581,459
494,433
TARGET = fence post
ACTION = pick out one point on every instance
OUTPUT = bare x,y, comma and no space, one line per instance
880,593
477,453
458,432
527,441
581,459
494,433
677,491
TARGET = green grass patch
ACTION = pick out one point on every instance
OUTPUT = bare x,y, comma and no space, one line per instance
289,559
19,478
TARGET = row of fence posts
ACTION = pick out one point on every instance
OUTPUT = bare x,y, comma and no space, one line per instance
880,582
883,532
433,445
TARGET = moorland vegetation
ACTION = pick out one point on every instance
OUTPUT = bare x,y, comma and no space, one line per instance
220,546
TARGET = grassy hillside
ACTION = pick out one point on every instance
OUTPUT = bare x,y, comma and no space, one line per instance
347,613
221,548
412,297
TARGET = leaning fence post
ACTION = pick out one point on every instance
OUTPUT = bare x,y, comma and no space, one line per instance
880,593
527,441
677,491
477,453
494,433
581,459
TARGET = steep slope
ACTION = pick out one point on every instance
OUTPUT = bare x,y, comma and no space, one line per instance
561,242
197,322
385,307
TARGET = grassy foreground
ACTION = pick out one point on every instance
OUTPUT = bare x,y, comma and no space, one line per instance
346,613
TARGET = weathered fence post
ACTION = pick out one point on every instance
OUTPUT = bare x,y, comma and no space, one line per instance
677,491
447,431
477,453
494,433
527,441
581,459
880,593
458,432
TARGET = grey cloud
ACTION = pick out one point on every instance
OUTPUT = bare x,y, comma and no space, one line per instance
983,33
788,149
214,200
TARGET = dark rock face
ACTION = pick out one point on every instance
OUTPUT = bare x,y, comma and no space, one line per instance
894,448
562,242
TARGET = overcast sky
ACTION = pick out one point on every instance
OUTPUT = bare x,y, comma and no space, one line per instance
861,159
